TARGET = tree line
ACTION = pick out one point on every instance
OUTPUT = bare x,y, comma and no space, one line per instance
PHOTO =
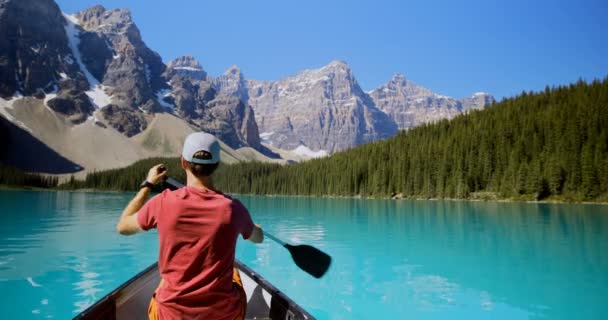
552,143
11,176
547,144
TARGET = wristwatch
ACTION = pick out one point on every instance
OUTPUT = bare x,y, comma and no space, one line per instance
146,184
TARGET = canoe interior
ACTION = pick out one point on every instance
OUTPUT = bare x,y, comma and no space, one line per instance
131,300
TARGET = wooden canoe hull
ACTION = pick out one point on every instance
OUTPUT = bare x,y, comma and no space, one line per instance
130,300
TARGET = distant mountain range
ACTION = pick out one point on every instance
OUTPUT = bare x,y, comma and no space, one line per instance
60,72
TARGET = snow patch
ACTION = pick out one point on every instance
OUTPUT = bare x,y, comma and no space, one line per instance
160,97
98,96
50,96
480,93
265,137
96,92
71,18
188,68
303,150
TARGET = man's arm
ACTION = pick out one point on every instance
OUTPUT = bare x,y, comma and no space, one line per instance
257,235
127,225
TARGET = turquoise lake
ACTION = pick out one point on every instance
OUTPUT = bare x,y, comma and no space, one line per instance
391,259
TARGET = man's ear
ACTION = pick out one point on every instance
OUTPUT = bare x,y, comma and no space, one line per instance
184,164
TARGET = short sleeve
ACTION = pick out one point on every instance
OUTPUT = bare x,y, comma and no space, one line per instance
147,215
242,219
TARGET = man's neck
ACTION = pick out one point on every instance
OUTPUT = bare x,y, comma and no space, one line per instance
203,183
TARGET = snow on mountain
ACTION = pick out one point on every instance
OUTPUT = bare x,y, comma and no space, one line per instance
96,92
303,150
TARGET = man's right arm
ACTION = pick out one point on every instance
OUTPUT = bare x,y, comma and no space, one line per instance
257,235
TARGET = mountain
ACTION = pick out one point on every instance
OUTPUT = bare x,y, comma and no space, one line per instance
66,78
323,109
87,87
410,105
549,145
215,111
36,58
187,66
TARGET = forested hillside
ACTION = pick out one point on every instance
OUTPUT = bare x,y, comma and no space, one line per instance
11,176
552,143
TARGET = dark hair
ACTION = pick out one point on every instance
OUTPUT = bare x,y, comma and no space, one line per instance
202,170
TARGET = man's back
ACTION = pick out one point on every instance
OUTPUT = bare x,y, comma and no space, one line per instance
197,233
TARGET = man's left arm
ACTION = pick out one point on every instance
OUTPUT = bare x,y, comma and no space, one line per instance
128,225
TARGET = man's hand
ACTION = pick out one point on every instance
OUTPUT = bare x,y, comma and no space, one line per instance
157,174
257,235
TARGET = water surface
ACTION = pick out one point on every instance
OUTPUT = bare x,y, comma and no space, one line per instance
392,259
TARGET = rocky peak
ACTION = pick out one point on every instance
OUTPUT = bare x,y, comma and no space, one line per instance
411,105
232,83
114,51
321,109
234,72
337,65
478,101
188,67
399,85
97,17
34,52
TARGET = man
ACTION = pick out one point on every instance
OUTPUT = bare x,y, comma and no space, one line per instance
197,230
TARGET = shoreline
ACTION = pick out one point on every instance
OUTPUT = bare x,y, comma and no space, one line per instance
395,198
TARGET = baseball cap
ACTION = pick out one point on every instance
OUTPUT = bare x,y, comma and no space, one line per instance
201,141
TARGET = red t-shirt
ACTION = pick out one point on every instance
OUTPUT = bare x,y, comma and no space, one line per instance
197,233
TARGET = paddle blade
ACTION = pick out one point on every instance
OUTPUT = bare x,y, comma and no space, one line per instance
310,259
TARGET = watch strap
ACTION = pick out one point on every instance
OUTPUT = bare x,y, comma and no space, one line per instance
145,184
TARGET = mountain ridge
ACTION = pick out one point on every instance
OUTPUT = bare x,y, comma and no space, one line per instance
93,67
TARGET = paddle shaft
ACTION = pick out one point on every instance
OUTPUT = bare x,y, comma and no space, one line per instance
275,239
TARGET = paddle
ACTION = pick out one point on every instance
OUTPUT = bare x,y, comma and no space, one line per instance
310,259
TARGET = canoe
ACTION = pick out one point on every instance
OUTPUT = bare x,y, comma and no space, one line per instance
131,299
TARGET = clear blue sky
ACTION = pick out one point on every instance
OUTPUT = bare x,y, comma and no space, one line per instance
451,47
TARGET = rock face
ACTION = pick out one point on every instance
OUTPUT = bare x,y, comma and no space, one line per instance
94,66
129,71
229,118
85,61
322,109
477,101
36,59
32,51
411,105
232,83
221,112
188,67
